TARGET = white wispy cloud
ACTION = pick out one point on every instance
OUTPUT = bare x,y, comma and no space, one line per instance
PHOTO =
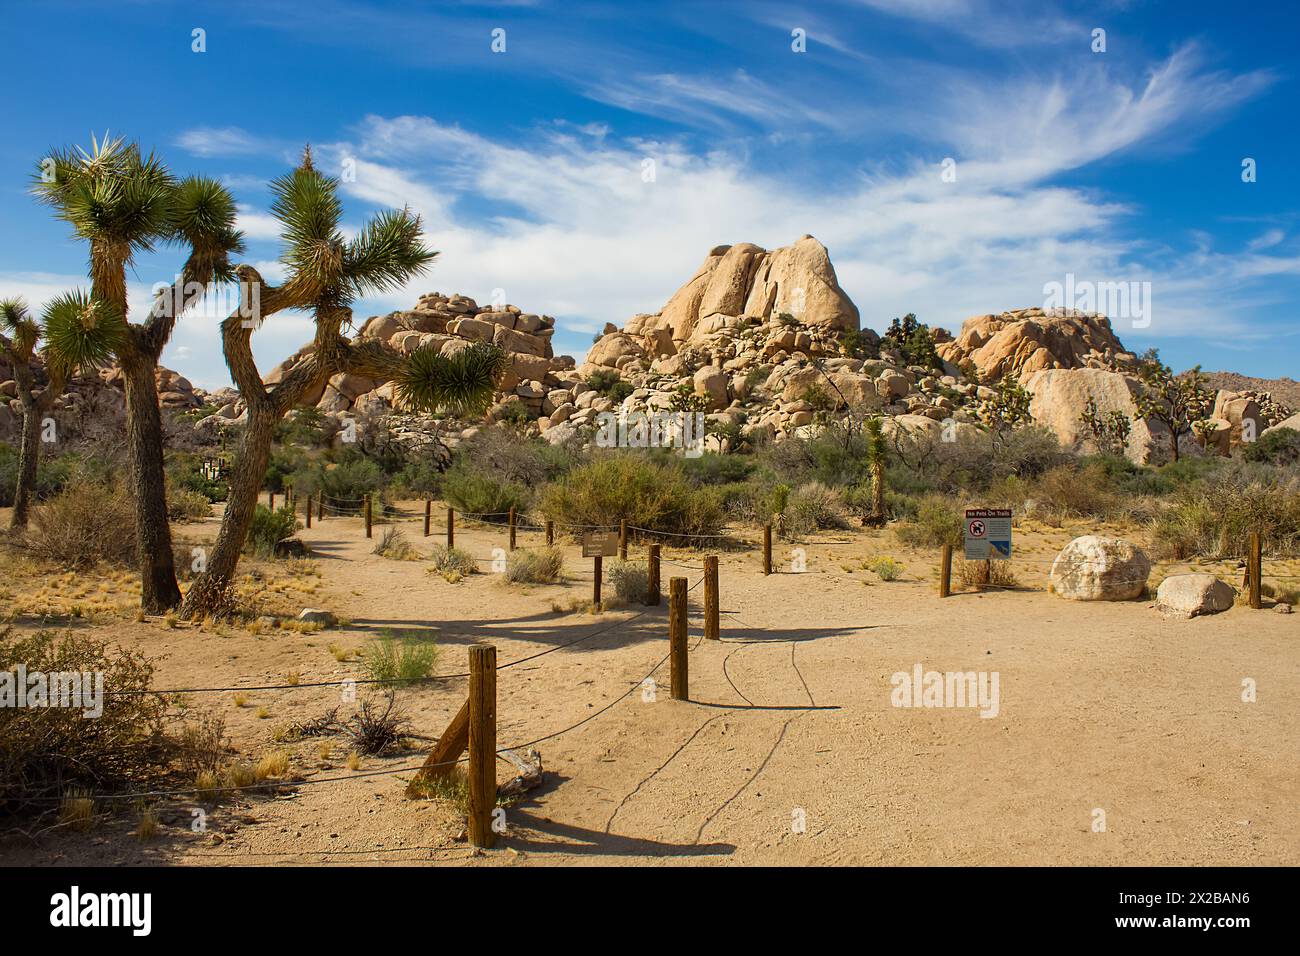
221,141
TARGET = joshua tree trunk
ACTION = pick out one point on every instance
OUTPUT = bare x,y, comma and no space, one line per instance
877,494
207,594
29,452
158,589
265,409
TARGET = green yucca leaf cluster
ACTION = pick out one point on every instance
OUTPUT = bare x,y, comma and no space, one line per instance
323,266
113,194
81,332
461,383
17,325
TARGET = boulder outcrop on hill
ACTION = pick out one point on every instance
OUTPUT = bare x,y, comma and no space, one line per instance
1032,340
768,346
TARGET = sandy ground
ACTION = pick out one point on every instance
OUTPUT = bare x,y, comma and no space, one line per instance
1103,707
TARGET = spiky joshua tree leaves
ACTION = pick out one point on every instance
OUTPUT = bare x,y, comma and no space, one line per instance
121,203
326,273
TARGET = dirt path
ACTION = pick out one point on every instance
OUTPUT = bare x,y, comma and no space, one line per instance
1101,707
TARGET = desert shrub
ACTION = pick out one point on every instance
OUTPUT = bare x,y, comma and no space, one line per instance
53,472
400,658
535,566
886,568
1280,447
647,493
201,746
186,505
936,522
417,479
378,731
715,469
481,493
185,473
47,751
630,580
1214,518
1086,492
749,502
345,483
84,524
515,413
269,528
986,574
813,507
392,544
451,563
528,461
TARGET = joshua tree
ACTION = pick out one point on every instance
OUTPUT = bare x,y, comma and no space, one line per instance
1179,401
874,430
122,203
326,273
70,320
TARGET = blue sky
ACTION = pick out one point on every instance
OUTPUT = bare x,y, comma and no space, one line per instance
527,165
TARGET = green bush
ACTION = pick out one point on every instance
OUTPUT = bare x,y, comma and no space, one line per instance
345,484
84,524
478,493
269,528
1280,447
535,566
184,504
813,507
886,568
647,493
185,472
47,751
1214,518
630,580
452,563
400,658
53,474
937,522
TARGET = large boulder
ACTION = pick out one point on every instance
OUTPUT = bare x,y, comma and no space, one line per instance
611,348
1093,568
1059,397
748,280
1030,340
711,384
1190,595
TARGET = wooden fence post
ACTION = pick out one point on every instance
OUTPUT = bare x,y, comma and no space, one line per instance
512,528
482,743
945,572
289,500
320,507
451,528
1255,562
369,517
679,679
652,595
270,500
622,539
711,611
550,532
767,548
309,510
428,512
596,572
